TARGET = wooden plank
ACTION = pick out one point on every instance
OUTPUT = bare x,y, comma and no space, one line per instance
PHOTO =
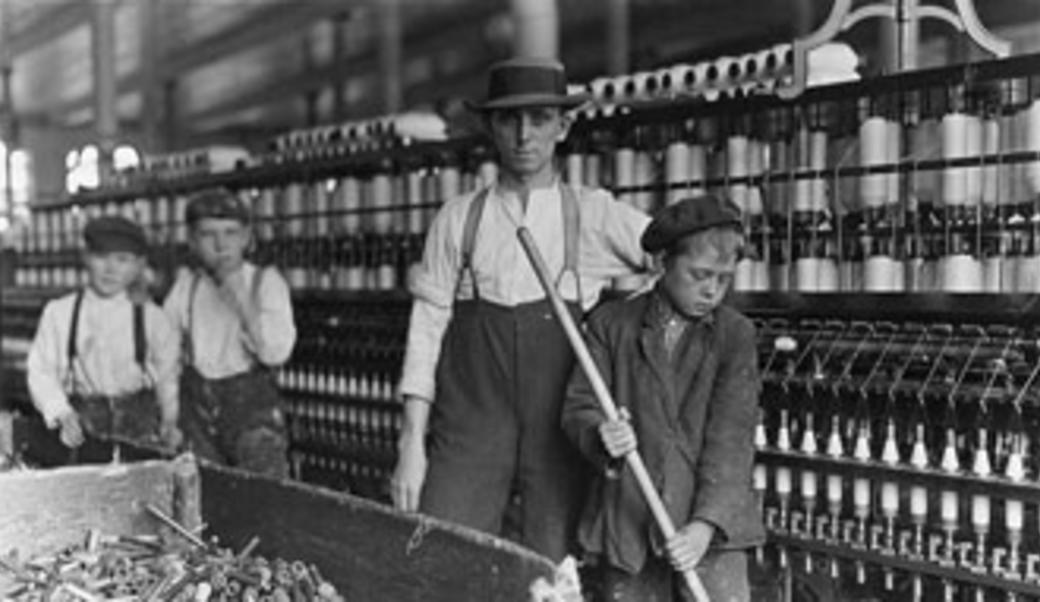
46,510
369,551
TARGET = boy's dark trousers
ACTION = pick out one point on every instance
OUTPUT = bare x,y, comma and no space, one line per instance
237,420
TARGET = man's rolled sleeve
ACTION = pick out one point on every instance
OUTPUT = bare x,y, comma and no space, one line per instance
623,227
724,466
433,285
425,332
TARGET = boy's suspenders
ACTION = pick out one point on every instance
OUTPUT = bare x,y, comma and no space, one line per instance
571,235
140,341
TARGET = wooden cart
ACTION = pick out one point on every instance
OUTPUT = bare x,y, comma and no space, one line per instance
369,551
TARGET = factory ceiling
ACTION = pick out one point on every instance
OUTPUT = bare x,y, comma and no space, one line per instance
242,70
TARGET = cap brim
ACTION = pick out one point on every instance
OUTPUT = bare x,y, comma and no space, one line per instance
570,101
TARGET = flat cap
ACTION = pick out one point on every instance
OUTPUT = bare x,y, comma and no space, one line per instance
688,216
112,233
216,203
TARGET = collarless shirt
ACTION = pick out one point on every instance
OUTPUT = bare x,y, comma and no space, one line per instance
608,247
220,345
105,361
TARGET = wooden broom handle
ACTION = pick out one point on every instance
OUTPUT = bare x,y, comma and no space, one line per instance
606,401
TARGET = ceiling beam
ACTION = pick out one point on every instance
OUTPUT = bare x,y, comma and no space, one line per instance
49,25
261,27
432,34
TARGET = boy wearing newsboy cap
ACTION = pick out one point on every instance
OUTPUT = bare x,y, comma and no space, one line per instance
101,365
683,369
236,323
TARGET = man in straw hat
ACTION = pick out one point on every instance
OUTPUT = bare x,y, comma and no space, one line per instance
683,368
486,363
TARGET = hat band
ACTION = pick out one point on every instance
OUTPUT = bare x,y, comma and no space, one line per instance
526,80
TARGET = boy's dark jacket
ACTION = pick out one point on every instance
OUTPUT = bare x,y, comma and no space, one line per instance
694,423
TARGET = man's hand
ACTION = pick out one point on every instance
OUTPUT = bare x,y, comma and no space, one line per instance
688,545
617,435
407,481
170,436
70,430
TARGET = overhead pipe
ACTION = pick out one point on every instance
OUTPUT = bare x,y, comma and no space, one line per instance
151,73
618,37
390,54
106,118
537,28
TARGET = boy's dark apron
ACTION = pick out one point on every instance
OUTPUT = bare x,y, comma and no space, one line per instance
132,416
236,420
495,424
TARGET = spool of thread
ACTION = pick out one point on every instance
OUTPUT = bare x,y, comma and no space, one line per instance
893,146
645,174
1009,274
676,169
180,209
292,207
882,274
737,166
378,200
1027,275
828,277
973,141
993,274
449,183
414,196
955,133
926,143
961,274
698,169
807,274
810,194
743,277
756,274
399,202
322,191
348,200
873,150
990,146
592,170
1032,143
625,173
573,172
1006,172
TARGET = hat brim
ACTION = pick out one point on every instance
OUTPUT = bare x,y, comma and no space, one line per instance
515,101
121,243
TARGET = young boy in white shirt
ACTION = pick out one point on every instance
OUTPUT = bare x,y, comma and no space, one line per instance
104,365
236,321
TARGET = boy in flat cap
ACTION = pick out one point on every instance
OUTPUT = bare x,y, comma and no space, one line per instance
101,365
236,323
683,369
486,363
